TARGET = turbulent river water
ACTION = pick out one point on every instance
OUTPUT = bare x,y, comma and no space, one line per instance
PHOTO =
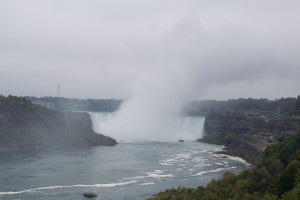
130,171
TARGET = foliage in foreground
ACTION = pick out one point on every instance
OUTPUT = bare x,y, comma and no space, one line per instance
275,176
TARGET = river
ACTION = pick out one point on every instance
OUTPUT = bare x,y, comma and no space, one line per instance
126,171
131,170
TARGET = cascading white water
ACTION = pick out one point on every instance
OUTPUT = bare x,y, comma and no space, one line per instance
167,128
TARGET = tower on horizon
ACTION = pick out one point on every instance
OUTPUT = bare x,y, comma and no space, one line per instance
58,91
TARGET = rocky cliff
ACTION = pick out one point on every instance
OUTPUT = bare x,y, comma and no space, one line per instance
253,133
277,127
26,130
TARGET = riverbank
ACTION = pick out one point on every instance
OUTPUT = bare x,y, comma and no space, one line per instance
275,176
232,150
229,140
247,136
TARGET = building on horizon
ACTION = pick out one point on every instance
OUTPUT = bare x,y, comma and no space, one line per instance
48,105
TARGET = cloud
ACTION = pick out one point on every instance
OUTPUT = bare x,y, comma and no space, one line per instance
121,49
157,54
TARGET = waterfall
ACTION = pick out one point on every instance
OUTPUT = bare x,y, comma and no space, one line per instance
166,128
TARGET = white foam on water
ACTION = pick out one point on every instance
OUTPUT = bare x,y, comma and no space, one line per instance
163,163
67,186
232,158
158,174
209,171
221,164
178,158
148,183
202,165
107,185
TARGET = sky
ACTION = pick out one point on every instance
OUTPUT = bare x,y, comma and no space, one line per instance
150,49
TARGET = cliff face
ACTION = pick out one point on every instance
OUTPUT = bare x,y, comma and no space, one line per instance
239,124
48,129
253,133
217,123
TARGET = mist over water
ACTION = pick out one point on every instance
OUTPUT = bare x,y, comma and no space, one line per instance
168,128
152,113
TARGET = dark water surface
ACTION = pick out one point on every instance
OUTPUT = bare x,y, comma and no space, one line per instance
126,171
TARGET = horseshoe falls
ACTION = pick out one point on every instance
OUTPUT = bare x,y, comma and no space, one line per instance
167,128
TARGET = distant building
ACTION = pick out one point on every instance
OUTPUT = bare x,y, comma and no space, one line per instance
45,104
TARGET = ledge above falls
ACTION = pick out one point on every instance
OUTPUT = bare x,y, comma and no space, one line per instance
45,129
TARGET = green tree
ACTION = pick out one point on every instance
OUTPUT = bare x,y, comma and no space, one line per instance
292,195
287,177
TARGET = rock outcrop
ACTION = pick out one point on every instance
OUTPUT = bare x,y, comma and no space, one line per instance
286,126
89,194
25,130
253,133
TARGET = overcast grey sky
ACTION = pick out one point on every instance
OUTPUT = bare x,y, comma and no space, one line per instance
182,49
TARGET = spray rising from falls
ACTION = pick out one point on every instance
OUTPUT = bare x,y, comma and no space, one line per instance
167,128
